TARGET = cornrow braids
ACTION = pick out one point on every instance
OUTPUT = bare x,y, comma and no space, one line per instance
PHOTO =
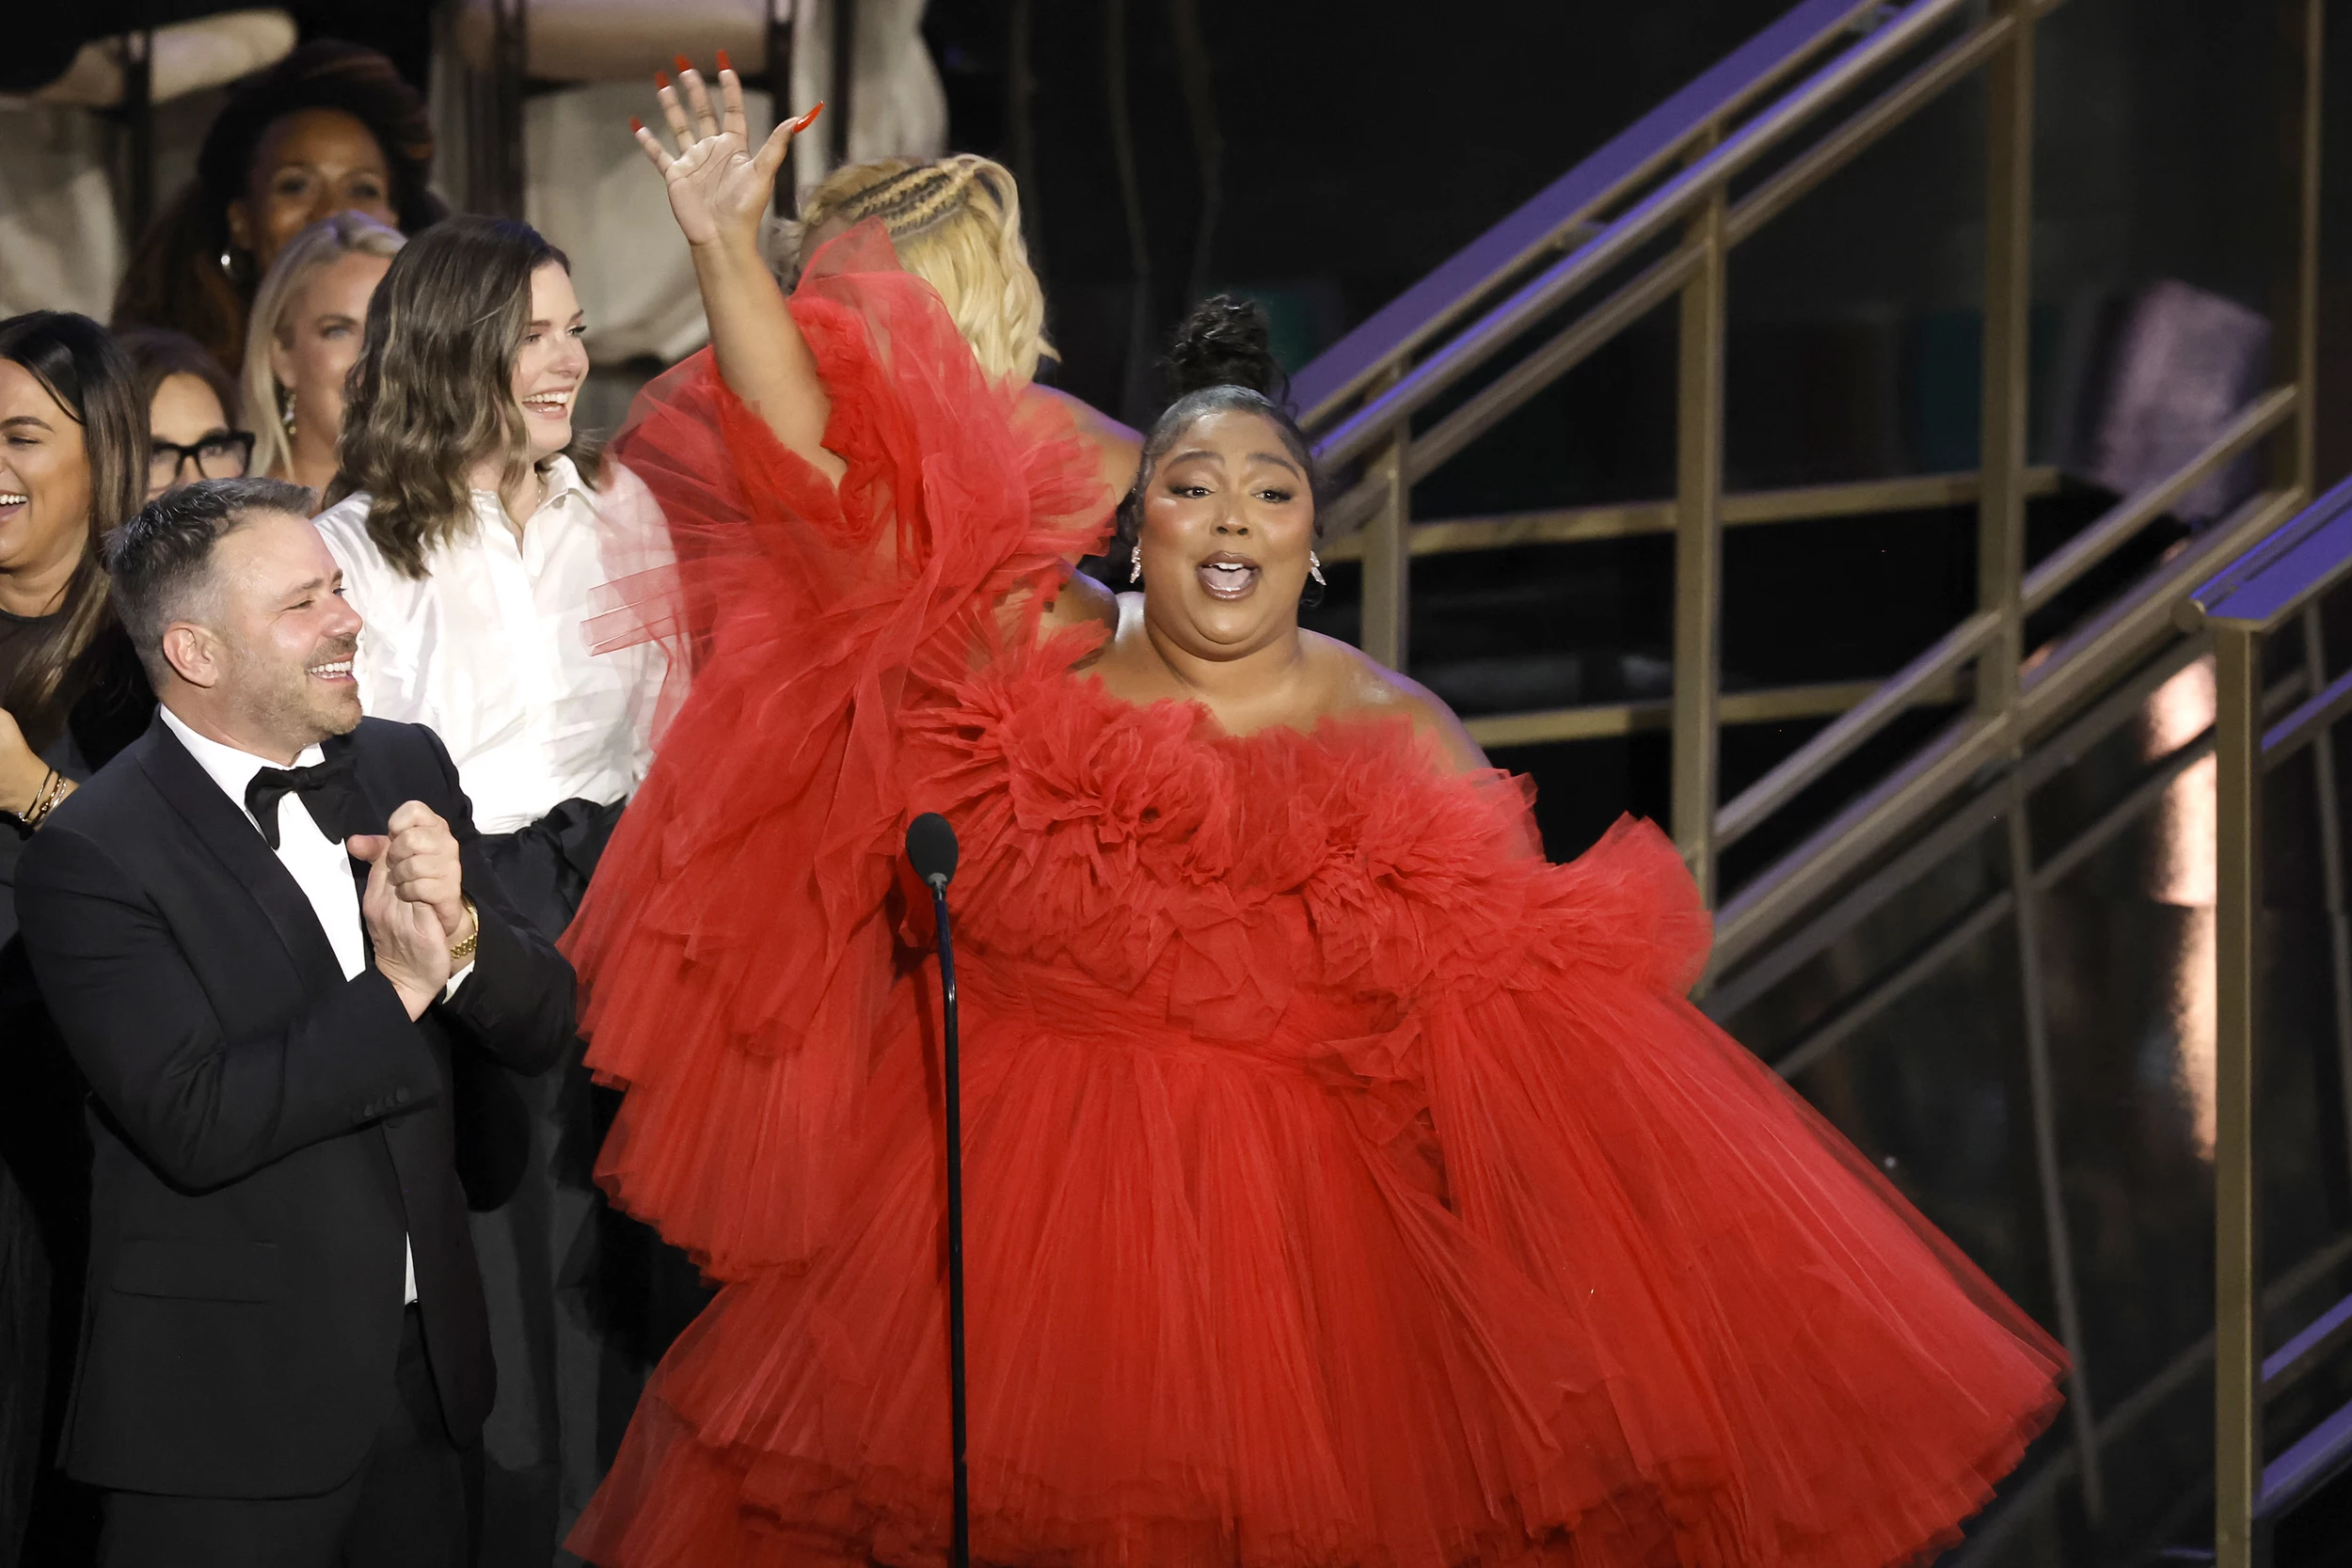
914,200
956,224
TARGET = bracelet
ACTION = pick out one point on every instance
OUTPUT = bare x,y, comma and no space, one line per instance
45,800
460,952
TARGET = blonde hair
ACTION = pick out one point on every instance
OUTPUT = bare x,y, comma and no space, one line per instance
956,224
345,234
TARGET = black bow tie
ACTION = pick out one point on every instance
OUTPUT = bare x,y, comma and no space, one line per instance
327,791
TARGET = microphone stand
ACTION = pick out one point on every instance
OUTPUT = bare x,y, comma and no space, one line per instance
951,1074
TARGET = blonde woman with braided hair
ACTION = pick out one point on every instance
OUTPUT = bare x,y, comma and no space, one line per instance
1348,1186
956,224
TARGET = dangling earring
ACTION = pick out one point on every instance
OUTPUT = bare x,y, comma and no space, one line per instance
285,413
1135,572
1314,569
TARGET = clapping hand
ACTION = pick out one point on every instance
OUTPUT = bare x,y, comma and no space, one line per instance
719,187
415,904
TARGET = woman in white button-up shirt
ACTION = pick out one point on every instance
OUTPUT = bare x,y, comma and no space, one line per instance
474,532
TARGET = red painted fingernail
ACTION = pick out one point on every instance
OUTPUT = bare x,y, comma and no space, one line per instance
684,65
809,118
661,81
635,124
725,64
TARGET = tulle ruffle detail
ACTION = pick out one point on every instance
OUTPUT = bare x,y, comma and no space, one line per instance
1544,1269
1346,1184
741,913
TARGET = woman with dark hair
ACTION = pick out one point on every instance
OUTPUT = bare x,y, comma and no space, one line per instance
191,409
73,461
331,127
1346,1183
474,526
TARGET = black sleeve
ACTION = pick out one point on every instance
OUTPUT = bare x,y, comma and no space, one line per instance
518,1004
206,1109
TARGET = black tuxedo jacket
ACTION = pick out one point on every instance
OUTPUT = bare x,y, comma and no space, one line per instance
265,1131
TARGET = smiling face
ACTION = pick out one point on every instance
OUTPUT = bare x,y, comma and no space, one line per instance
270,639
44,481
318,338
309,165
1228,525
552,361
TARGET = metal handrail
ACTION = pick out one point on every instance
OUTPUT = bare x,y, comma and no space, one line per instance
1670,241
2276,584
1652,218
1387,340
1943,769
1668,221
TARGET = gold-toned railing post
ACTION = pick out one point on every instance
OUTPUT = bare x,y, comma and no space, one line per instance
1387,548
2293,459
2238,1238
2007,320
1699,546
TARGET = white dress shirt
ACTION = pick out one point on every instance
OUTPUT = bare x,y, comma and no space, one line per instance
489,649
316,863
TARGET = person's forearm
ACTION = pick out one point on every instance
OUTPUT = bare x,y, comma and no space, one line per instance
208,1110
23,778
761,355
518,1004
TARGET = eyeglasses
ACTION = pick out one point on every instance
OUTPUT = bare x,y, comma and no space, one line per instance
223,455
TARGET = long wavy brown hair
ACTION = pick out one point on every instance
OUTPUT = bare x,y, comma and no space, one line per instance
433,392
77,364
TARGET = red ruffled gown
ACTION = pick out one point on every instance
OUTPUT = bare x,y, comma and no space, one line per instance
1346,1184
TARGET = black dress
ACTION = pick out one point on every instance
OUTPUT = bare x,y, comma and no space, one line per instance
44,1155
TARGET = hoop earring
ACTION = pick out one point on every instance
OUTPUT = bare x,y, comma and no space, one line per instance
1135,571
1314,569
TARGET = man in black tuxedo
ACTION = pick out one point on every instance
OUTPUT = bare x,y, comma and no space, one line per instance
263,930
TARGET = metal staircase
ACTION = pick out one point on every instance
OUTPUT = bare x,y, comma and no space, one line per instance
1928,840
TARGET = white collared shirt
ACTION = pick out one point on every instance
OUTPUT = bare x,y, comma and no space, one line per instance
316,863
489,648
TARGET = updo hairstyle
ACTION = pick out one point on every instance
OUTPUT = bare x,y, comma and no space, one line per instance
1220,360
956,224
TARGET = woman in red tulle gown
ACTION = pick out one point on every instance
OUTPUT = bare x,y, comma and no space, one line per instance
1346,1184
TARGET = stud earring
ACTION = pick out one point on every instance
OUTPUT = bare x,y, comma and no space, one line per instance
1314,569
1135,571
227,261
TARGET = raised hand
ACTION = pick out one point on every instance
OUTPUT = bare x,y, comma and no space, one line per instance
719,187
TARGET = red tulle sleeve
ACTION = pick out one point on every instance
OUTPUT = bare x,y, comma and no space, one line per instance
755,882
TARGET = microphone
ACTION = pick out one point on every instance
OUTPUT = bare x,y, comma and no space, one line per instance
931,845
931,851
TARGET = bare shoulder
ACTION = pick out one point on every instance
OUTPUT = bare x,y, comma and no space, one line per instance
1367,689
1117,448
1078,600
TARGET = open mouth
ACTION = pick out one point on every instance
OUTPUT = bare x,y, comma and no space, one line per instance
1227,576
337,670
551,406
11,499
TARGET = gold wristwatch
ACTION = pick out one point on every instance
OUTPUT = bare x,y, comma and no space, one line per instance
461,951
